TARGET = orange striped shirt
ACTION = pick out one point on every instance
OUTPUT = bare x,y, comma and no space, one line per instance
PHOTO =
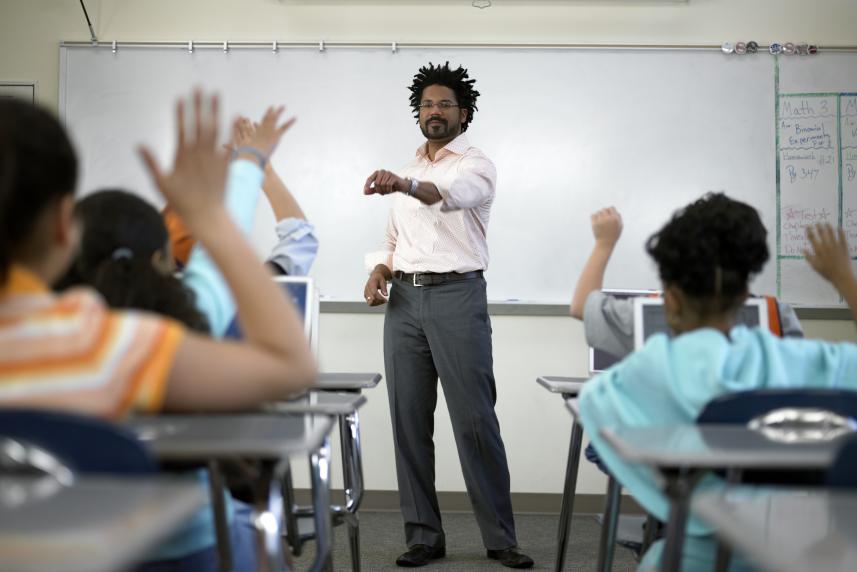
71,352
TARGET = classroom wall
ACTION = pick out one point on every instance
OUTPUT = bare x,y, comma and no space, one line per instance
534,424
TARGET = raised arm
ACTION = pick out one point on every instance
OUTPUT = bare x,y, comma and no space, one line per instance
607,228
275,359
830,258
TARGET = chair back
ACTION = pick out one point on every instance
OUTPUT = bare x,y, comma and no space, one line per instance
745,406
83,444
843,472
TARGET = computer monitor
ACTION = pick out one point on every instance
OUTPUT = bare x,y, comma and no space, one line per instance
301,291
650,317
599,360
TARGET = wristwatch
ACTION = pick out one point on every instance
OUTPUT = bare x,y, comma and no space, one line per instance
413,190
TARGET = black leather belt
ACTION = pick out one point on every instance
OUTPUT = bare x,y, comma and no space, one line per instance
436,278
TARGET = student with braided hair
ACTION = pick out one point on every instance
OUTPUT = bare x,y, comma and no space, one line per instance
706,255
437,323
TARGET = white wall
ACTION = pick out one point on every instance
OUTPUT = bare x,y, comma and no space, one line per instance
534,424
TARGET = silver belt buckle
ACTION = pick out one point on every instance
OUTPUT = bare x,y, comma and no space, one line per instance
415,280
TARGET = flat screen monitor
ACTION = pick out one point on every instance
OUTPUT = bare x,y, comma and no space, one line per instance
301,291
650,317
599,360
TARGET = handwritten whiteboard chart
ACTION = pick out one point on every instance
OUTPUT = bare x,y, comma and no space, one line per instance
817,158
570,131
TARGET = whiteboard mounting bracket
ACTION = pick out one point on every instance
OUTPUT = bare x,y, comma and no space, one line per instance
321,46
190,47
93,37
225,47
394,47
274,46
113,46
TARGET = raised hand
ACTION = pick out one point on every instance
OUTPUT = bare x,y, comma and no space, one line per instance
265,135
829,253
243,132
196,182
606,226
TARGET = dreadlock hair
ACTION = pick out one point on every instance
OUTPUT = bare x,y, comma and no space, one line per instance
456,80
121,234
710,249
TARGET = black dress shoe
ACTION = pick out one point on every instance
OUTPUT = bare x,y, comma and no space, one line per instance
420,555
511,558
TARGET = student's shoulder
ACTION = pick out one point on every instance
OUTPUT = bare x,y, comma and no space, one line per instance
88,309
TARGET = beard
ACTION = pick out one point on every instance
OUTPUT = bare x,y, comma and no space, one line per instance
438,129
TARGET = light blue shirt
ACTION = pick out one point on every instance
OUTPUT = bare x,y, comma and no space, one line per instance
294,253
668,382
297,246
213,296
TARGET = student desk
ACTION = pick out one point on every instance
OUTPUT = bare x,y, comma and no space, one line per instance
344,406
94,525
269,438
347,381
684,453
786,530
568,387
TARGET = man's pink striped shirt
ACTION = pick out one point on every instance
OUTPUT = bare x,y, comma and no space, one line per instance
450,235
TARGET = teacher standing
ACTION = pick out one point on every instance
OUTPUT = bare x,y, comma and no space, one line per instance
437,324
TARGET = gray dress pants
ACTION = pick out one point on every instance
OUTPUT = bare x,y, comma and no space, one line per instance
444,331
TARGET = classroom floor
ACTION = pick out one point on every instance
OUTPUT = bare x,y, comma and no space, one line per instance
382,541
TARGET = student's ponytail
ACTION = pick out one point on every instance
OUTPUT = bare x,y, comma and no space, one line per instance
127,281
122,237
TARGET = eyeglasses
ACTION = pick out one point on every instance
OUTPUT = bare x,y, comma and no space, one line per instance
442,105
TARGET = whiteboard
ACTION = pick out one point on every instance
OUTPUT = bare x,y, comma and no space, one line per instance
570,132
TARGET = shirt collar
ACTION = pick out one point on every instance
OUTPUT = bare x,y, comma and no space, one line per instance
19,280
457,146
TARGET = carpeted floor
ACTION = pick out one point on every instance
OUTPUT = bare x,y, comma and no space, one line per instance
382,540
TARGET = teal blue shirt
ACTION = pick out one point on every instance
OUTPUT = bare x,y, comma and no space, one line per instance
669,381
213,297
294,252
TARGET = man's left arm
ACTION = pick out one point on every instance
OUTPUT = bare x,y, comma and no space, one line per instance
474,185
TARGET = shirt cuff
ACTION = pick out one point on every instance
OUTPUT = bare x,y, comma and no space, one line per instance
297,247
373,259
293,228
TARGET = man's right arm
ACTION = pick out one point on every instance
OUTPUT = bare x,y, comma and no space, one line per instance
380,266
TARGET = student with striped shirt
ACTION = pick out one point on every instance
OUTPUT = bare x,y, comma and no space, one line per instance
71,352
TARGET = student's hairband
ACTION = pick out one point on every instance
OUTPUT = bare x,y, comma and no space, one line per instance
260,156
122,252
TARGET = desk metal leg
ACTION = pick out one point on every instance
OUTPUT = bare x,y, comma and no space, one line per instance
221,524
568,494
268,515
607,544
292,533
352,473
679,487
649,534
320,478
724,555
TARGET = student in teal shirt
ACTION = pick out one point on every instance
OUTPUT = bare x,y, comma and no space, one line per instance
296,246
706,255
